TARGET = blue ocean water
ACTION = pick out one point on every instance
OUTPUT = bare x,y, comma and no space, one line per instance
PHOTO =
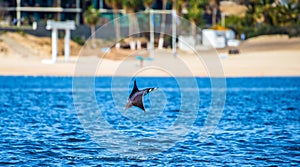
39,124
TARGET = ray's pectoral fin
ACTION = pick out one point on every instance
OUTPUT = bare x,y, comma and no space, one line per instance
141,106
139,102
128,105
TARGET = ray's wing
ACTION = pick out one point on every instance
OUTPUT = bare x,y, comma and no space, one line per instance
134,89
139,100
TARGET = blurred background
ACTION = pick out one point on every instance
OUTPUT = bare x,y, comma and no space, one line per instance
247,18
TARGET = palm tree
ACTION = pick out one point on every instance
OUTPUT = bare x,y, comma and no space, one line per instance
281,15
214,4
147,4
163,25
91,17
115,5
174,4
180,6
130,7
195,13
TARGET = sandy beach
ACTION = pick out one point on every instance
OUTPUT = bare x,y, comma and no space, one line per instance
262,56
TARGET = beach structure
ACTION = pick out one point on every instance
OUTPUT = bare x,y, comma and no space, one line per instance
28,10
188,42
54,26
217,37
151,28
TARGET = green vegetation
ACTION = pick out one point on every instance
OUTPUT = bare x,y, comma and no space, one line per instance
267,17
22,32
147,4
2,32
78,40
262,16
115,5
91,17
130,7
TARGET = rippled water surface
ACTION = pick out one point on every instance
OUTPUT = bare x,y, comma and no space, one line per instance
39,125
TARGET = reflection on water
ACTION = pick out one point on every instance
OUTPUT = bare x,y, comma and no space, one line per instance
39,124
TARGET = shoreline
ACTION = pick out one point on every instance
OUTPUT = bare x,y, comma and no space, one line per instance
109,76
261,64
266,56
